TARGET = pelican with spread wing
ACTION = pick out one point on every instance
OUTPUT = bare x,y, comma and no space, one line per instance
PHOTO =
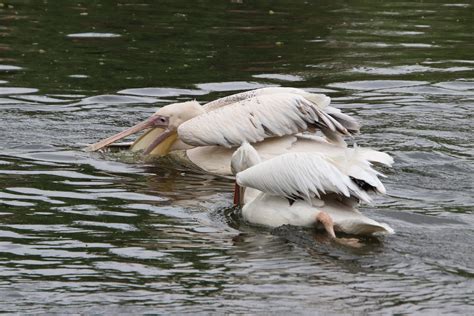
270,118
308,188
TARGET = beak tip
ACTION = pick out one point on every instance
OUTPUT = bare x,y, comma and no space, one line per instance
89,148
94,147
150,122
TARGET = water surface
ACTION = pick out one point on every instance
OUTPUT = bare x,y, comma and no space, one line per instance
83,232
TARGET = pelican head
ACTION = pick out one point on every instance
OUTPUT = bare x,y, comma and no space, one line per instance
162,129
243,158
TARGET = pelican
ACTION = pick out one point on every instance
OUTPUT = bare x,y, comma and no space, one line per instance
308,189
272,119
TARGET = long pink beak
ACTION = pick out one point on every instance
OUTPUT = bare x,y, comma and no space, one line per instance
152,121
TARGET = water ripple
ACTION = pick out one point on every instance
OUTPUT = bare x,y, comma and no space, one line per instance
110,233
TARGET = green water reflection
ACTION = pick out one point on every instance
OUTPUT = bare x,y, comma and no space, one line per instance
89,233
173,43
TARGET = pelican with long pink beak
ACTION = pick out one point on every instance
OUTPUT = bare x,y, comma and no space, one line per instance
271,119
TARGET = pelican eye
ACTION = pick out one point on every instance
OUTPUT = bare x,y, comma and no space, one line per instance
160,121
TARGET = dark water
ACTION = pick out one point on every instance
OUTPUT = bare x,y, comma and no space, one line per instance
81,232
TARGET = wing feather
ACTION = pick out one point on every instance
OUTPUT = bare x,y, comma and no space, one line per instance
256,116
320,99
355,163
303,175
343,121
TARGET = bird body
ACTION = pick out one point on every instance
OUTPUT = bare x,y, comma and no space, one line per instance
269,118
296,188
274,211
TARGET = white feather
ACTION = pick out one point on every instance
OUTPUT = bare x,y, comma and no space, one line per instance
273,211
319,99
256,118
243,158
304,175
375,156
355,164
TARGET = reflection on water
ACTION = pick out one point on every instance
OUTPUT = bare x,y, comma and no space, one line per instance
97,233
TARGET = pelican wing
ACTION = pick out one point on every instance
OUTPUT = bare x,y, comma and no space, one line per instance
320,99
356,163
300,175
253,116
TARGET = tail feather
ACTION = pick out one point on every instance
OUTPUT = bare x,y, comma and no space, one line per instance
356,164
375,156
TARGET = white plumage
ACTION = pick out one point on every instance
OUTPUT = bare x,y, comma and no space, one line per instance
264,113
320,99
296,188
300,175
243,158
274,211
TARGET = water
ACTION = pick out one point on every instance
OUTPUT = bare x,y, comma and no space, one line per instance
83,232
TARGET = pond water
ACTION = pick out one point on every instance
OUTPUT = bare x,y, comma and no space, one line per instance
92,233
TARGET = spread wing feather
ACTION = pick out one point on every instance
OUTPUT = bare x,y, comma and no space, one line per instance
300,175
255,115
